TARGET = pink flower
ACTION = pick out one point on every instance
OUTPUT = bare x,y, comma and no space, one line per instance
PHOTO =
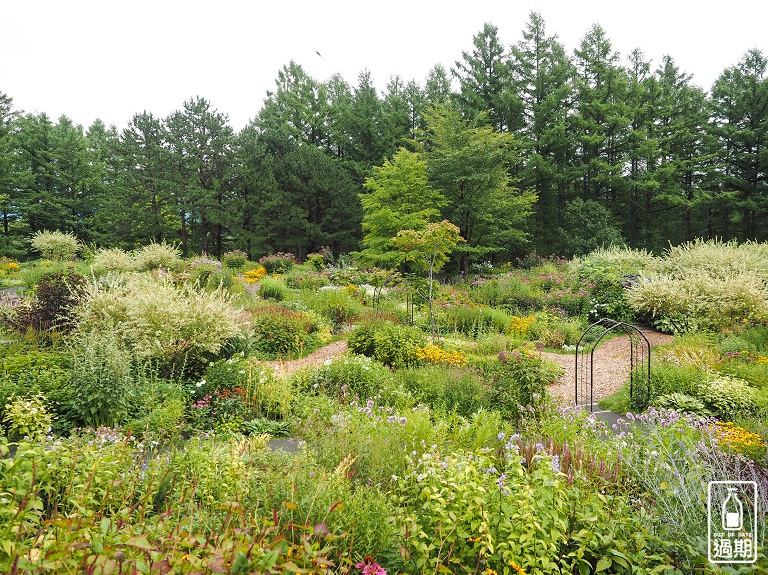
370,567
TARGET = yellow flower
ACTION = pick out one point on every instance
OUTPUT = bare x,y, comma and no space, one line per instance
731,437
436,355
254,275
517,568
520,324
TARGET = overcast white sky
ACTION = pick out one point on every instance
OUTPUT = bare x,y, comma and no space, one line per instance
110,59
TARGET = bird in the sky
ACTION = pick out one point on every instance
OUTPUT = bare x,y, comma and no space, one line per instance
319,54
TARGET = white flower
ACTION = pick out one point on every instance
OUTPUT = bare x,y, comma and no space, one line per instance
200,383
328,362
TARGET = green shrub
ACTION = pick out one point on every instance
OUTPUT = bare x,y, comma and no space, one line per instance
158,408
317,261
518,379
271,288
46,372
56,246
351,377
235,259
279,332
27,417
391,344
361,340
335,306
279,263
728,397
446,390
157,255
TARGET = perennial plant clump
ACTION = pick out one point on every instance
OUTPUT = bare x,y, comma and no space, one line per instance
736,439
436,355
279,263
28,417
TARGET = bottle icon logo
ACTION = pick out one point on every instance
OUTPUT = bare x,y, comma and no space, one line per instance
733,512
732,508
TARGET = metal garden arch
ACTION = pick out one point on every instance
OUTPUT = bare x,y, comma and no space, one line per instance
639,351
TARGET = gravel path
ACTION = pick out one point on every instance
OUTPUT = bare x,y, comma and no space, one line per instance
315,358
611,366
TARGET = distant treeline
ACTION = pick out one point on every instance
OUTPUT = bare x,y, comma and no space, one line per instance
613,150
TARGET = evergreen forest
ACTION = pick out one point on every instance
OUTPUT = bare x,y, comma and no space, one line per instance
525,147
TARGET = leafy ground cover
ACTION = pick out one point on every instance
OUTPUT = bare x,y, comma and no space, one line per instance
137,402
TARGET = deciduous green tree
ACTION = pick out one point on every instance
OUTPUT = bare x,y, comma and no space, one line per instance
471,167
428,249
399,198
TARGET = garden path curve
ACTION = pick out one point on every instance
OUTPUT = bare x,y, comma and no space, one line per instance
611,366
315,358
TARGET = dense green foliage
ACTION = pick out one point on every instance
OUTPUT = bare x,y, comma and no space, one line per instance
535,148
450,454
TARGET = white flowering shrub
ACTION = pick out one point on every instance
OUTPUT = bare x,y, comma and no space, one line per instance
156,320
715,258
699,300
114,260
56,246
157,255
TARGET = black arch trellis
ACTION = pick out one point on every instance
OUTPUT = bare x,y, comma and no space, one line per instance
639,351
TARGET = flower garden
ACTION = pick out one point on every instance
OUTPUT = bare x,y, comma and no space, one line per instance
142,427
